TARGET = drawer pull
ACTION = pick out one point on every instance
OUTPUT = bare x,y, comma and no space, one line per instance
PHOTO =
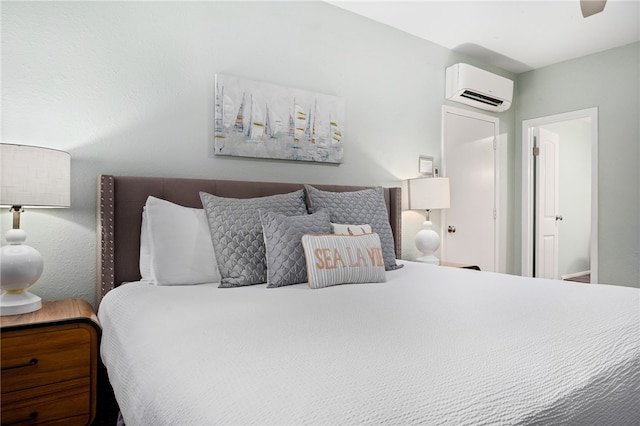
32,416
32,361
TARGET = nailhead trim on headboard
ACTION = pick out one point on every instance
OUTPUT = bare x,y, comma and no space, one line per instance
105,212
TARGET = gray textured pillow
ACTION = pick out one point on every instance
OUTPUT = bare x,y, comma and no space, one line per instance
358,208
236,233
286,263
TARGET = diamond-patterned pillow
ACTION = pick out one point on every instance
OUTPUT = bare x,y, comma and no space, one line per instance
236,233
283,243
359,207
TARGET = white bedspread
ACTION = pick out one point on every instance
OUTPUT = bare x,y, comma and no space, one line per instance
432,345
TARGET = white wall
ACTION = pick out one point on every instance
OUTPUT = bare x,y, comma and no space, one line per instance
127,88
610,81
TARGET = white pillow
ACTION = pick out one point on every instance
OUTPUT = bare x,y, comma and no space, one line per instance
180,243
345,229
145,249
343,259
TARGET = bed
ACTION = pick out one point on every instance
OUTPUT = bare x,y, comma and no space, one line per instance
427,345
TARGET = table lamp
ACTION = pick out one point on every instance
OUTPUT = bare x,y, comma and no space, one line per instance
428,194
30,177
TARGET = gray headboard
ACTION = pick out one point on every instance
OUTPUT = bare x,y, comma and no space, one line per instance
121,199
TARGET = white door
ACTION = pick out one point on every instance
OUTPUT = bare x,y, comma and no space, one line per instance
546,204
469,161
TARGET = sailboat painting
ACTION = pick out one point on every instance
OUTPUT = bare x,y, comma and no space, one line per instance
263,120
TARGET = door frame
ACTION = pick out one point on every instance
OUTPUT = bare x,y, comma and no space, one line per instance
446,109
528,189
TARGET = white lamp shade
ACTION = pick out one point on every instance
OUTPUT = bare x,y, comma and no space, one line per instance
32,176
428,193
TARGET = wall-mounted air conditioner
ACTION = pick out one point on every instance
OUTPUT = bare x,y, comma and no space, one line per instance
478,88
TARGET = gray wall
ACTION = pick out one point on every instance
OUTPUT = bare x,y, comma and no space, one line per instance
127,88
610,81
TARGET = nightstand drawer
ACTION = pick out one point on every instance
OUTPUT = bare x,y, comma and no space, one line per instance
68,401
54,355
49,361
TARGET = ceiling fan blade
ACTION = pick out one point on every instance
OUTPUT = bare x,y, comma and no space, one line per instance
591,7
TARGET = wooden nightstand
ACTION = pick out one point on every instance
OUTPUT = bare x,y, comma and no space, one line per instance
459,265
49,364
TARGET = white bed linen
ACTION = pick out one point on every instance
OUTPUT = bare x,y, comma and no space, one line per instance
432,345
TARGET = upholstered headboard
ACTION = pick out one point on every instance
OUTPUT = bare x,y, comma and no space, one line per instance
121,200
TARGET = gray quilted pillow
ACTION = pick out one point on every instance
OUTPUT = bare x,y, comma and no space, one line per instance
359,208
286,263
236,233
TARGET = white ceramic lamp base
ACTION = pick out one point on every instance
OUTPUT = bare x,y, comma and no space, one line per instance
20,267
19,303
428,241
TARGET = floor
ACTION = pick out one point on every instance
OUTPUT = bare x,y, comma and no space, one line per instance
586,278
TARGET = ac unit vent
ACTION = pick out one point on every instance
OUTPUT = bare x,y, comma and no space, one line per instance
481,98
479,88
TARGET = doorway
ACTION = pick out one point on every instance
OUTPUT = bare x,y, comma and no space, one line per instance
469,159
576,211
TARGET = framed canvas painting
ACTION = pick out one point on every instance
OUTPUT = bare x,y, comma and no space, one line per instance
263,120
